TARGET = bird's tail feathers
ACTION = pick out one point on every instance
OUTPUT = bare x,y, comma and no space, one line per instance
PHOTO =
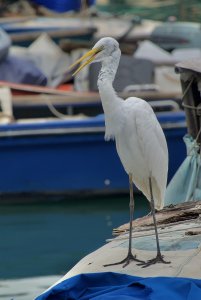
158,194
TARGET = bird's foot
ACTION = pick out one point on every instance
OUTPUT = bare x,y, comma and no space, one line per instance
130,257
157,259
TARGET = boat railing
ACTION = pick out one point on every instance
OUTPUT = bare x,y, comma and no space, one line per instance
165,105
141,87
162,105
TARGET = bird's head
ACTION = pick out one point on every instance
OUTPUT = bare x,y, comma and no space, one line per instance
104,49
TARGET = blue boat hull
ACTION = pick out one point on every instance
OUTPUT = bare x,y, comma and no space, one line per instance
65,157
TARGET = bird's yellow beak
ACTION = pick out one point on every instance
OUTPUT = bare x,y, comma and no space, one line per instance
91,54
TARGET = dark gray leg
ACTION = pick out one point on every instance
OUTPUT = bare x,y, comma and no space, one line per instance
159,257
129,256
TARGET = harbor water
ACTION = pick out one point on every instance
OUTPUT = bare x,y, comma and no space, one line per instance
47,239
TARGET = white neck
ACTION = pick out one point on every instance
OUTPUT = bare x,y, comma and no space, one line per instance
112,104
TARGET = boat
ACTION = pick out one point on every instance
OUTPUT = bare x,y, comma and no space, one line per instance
180,239
64,140
173,35
23,32
31,100
60,157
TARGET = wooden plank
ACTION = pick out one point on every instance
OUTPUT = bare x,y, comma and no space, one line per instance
168,215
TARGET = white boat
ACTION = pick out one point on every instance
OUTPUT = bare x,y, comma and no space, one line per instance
180,239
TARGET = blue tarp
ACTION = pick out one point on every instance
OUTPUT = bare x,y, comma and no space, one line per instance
109,285
63,5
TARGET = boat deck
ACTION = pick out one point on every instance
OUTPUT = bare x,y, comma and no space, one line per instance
180,239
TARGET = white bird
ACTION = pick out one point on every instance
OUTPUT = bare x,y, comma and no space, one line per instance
140,141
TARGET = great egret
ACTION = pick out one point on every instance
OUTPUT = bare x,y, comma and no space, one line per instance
140,141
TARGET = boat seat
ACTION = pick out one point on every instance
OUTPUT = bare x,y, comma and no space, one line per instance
131,71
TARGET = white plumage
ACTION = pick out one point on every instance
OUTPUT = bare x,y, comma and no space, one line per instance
144,154
140,141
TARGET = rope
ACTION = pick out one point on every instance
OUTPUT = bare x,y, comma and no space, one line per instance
187,88
191,107
196,139
184,94
53,110
195,143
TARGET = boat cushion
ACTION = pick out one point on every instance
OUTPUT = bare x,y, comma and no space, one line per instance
23,71
131,71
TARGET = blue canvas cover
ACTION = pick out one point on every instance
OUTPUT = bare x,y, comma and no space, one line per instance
185,186
109,285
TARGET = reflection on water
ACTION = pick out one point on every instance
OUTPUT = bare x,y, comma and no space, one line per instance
46,239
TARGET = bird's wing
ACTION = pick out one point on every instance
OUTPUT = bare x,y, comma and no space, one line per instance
153,145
